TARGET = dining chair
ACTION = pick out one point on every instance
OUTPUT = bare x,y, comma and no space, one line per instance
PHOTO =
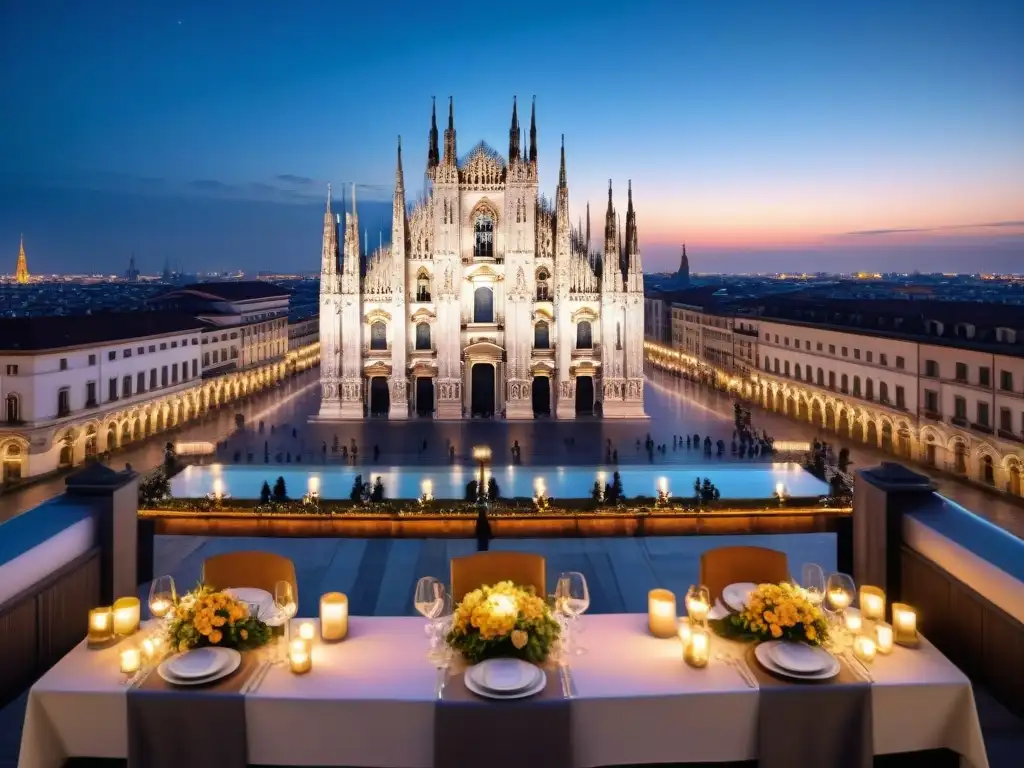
248,569
476,570
730,565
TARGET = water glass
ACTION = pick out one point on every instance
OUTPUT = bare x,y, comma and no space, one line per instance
812,580
572,598
162,597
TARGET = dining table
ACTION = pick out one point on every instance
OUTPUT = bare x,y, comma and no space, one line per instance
371,700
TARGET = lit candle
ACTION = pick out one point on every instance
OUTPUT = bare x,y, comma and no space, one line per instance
697,652
130,661
685,632
864,648
697,609
101,625
883,637
333,616
306,631
904,624
661,613
872,603
840,599
160,607
300,657
854,622
127,613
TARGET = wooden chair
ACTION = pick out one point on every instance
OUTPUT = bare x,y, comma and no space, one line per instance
730,565
248,569
484,568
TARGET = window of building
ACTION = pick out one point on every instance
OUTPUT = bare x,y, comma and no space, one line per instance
152,378
12,370
776,338
931,368
1006,381
961,372
152,347
541,336
174,374
584,339
195,366
819,346
821,378
787,369
63,402
985,376
543,285
869,388
832,380
856,386
112,389
206,358
1005,420
141,350
140,382
901,397
423,336
112,355
92,359
126,386
883,392
844,384
174,344
856,354
13,408
63,363
831,349
90,394
483,236
126,353
807,345
983,414
799,375
900,362
776,365
163,346
931,401
959,407
883,359
184,370
163,376
378,335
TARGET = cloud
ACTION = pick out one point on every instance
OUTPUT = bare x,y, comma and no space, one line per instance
946,228
291,178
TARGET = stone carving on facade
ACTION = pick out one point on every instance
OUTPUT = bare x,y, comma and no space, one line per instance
567,389
482,169
449,389
447,289
398,389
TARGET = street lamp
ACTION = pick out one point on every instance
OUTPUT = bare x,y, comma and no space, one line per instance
482,454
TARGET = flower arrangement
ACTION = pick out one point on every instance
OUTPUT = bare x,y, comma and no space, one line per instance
205,616
774,612
503,620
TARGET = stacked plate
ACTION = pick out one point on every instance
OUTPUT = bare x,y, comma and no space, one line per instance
199,666
736,596
505,679
797,660
263,602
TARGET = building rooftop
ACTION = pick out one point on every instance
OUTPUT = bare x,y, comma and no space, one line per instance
243,290
32,334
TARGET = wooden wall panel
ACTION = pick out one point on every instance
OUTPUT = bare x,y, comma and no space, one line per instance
18,650
63,608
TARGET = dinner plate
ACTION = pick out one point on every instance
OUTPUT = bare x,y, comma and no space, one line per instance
504,676
762,652
736,596
800,658
170,677
532,690
199,662
267,610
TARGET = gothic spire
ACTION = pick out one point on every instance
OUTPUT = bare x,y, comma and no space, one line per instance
513,134
533,131
433,156
399,176
328,198
561,170
588,226
449,135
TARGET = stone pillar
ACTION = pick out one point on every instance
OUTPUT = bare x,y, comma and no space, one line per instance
880,497
114,496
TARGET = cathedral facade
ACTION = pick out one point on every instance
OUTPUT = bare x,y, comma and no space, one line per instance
486,303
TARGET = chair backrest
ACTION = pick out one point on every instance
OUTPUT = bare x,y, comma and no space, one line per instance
483,568
730,565
248,569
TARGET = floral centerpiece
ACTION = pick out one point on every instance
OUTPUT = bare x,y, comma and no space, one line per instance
503,620
776,612
205,617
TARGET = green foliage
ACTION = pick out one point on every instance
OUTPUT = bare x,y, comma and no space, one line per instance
265,493
154,489
356,494
183,631
377,494
493,491
280,491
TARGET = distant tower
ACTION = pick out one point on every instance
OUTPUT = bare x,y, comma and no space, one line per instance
167,271
683,275
133,273
21,274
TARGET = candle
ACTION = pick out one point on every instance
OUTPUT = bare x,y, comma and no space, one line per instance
661,613
148,649
130,661
333,616
697,652
904,624
101,626
300,656
160,607
872,603
864,648
127,613
840,599
685,633
883,637
697,609
307,631
854,622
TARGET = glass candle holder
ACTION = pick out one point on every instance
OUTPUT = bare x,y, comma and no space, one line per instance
904,625
685,632
127,614
130,660
307,631
333,617
854,622
661,613
883,637
698,604
101,626
864,648
839,599
300,656
697,653
872,603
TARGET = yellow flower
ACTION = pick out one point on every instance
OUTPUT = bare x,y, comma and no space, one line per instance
520,639
811,632
244,634
776,631
215,637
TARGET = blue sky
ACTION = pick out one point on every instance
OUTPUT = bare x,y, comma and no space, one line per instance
765,135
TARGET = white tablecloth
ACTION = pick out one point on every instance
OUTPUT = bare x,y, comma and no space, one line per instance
369,701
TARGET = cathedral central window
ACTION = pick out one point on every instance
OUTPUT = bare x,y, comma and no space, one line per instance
483,237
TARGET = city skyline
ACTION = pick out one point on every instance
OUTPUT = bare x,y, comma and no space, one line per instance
782,139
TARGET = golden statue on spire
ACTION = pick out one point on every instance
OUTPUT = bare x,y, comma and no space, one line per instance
21,274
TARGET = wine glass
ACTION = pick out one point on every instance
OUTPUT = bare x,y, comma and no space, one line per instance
287,601
839,592
698,604
812,580
162,596
429,599
573,598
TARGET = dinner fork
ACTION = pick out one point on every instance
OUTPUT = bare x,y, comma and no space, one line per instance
739,666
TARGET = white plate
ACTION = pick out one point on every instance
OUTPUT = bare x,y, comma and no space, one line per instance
800,658
267,612
531,691
504,676
763,653
199,662
736,596
170,677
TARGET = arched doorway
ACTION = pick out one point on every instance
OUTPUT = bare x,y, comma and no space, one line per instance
584,395
929,453
858,431
1014,485
67,451
887,437
769,399
960,458
12,463
541,392
90,443
816,414
844,423
424,396
988,472
126,433
872,438
482,380
903,443
830,418
380,397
